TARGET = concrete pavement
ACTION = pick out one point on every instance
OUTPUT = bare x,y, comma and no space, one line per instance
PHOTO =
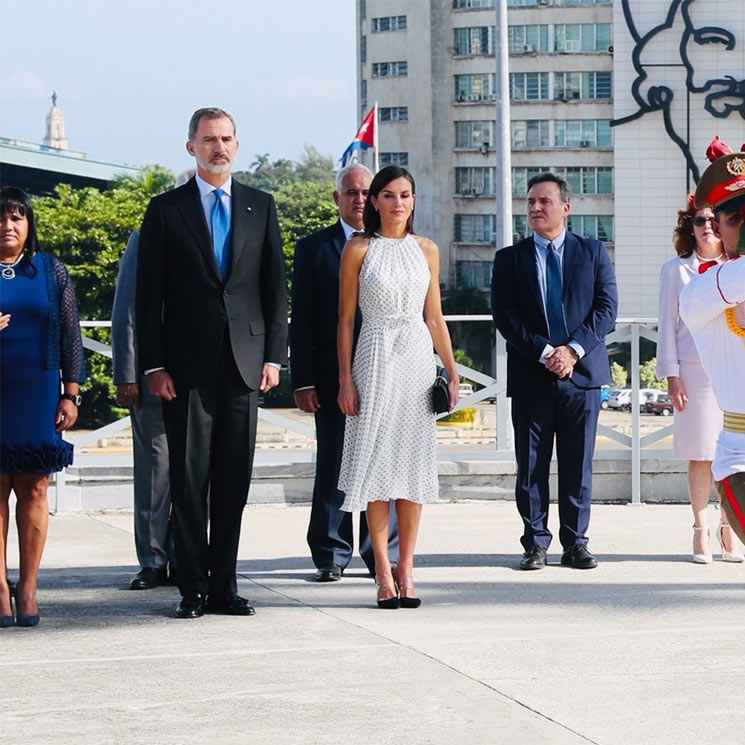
646,649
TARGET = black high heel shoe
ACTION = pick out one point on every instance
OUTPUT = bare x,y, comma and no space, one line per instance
404,586
389,603
26,620
8,621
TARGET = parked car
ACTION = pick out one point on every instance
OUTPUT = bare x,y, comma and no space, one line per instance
660,405
647,395
606,391
620,399
465,389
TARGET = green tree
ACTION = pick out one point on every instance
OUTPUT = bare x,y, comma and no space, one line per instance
648,376
87,229
618,375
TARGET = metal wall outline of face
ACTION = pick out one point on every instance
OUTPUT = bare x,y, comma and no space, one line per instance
651,89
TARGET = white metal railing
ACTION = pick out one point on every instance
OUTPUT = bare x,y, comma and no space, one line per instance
632,447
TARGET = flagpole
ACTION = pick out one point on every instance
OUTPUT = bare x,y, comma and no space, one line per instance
376,157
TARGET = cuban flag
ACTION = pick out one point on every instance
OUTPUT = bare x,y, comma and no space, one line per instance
364,139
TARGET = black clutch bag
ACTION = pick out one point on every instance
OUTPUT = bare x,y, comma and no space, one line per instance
440,397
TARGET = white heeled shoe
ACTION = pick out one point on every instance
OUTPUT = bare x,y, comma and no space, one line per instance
735,557
706,558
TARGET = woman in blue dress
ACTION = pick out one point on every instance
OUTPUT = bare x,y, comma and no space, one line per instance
40,345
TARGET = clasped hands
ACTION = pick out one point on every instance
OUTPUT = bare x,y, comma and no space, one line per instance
561,361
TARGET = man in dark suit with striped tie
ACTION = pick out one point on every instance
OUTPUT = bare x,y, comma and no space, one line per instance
554,299
211,328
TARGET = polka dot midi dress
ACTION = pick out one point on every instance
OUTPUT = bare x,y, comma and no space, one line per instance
390,446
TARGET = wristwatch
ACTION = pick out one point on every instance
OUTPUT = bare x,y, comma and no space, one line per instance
76,398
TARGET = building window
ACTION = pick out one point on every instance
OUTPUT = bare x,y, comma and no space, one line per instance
529,86
583,133
363,94
521,176
394,159
474,134
520,228
530,133
527,39
588,180
363,49
584,85
479,87
389,23
473,274
474,181
393,113
478,40
583,37
595,226
472,4
390,69
475,228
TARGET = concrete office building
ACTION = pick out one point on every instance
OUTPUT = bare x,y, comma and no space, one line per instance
431,67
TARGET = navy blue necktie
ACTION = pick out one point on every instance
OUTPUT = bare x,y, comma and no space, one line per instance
220,225
557,329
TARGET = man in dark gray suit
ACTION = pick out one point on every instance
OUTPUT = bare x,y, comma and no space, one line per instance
152,493
212,333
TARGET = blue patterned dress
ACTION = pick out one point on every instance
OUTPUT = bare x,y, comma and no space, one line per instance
32,352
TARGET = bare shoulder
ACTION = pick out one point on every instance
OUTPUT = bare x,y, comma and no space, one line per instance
429,247
356,248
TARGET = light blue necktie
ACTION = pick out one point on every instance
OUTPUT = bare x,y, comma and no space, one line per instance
220,224
557,329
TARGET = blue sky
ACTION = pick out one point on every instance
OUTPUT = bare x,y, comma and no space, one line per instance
129,73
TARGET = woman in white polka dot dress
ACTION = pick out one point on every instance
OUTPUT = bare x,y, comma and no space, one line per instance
389,441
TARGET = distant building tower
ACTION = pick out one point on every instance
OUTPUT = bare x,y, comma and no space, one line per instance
55,136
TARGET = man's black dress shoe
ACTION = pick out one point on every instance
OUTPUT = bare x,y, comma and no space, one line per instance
578,557
229,605
328,574
535,558
191,606
148,578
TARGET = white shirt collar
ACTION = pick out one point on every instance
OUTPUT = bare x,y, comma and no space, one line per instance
348,229
558,241
205,188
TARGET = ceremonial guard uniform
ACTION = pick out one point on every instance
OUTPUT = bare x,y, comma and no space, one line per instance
712,306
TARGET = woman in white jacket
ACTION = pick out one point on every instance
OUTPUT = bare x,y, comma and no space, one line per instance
698,419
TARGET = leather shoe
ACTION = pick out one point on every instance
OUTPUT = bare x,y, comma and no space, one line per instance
148,578
229,605
191,606
578,557
328,574
535,558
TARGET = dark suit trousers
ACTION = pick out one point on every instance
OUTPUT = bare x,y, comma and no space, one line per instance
569,414
330,532
211,438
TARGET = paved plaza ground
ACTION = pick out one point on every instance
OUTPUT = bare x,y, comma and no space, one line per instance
647,648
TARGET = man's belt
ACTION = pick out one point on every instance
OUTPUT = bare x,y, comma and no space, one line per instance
734,422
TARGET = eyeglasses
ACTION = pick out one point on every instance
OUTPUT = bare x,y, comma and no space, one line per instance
699,221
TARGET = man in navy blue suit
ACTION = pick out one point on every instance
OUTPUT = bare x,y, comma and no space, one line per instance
554,299
315,377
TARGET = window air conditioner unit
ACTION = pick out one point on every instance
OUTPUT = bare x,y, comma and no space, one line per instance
478,192
529,49
474,97
542,2
575,94
584,143
571,45
610,49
